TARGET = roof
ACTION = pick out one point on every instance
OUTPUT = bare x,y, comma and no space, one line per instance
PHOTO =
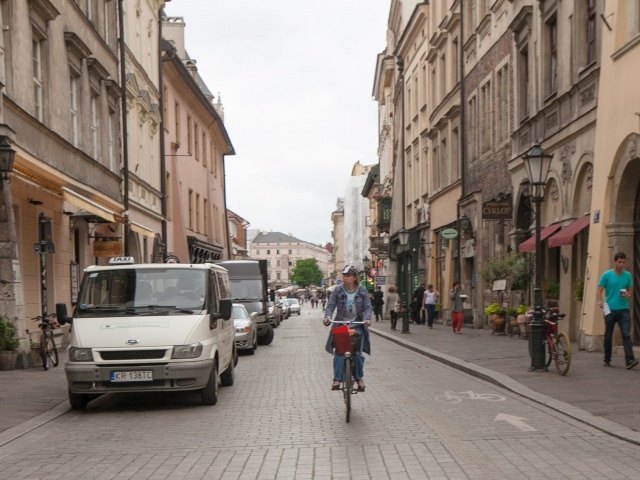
275,237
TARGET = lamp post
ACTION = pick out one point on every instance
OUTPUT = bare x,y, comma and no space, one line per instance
537,163
365,267
7,155
403,238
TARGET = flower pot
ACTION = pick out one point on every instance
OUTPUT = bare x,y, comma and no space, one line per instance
497,323
8,359
523,325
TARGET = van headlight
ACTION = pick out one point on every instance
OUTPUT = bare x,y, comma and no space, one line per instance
80,354
187,351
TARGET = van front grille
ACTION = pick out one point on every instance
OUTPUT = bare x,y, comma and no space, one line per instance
132,354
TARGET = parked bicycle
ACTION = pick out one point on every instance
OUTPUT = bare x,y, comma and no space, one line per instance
557,345
48,349
344,340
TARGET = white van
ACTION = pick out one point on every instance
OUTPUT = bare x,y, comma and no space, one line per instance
150,328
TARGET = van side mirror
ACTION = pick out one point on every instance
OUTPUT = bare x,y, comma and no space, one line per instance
61,314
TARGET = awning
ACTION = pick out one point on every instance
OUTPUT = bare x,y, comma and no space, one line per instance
141,229
566,235
529,245
84,203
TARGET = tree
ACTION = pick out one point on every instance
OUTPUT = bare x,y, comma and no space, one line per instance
306,272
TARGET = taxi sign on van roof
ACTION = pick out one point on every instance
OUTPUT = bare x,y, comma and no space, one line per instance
122,261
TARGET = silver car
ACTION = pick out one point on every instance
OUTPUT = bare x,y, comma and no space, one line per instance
294,305
246,329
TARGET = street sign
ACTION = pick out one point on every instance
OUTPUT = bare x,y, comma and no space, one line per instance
338,282
381,280
449,233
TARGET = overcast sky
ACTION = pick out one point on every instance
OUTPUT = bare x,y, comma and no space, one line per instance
295,78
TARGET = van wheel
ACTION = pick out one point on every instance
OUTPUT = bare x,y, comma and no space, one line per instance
210,392
267,338
228,376
78,401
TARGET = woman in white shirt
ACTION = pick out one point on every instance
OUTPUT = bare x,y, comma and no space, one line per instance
429,301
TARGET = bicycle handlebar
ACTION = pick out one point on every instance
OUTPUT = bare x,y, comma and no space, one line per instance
346,322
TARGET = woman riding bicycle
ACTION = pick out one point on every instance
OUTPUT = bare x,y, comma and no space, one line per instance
351,303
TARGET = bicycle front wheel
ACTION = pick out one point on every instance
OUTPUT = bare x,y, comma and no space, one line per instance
43,351
48,351
562,353
347,385
549,350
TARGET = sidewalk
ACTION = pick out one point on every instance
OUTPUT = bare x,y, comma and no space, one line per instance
606,398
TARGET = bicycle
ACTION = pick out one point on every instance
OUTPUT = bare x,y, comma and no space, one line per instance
557,345
48,348
343,345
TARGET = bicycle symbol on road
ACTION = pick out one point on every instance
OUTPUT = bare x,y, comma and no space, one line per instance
456,397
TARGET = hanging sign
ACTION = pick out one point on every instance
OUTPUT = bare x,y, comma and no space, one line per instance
497,209
449,233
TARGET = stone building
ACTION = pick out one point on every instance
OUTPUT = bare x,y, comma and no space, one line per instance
282,251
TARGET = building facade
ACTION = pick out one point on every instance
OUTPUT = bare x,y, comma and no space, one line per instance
282,251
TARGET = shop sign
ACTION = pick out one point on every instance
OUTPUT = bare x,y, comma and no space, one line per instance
497,209
449,233
107,249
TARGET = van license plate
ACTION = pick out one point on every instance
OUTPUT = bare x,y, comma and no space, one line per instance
137,376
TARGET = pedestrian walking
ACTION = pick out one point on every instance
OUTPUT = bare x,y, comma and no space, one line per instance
429,300
392,306
457,308
378,302
416,304
617,285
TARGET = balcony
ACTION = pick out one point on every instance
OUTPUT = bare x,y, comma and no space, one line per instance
379,246
384,214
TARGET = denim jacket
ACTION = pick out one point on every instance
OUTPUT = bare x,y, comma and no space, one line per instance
338,302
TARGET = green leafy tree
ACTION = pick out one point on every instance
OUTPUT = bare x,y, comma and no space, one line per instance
306,272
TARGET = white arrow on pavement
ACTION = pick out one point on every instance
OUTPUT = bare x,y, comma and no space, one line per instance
517,422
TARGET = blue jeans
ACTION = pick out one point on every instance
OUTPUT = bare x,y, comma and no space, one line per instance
623,319
358,362
431,312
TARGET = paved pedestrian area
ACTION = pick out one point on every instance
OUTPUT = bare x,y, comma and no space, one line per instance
606,398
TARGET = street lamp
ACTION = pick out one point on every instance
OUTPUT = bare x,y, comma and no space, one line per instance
366,263
403,238
537,163
7,155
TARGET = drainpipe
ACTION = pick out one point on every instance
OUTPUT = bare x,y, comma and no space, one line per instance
463,142
125,147
163,162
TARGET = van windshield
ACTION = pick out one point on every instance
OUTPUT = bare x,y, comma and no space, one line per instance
246,289
142,291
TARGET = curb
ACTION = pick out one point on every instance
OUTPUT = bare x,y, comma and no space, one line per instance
11,434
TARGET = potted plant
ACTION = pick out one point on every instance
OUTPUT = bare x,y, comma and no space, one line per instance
523,324
9,344
497,313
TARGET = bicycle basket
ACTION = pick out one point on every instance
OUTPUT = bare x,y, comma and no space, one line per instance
345,340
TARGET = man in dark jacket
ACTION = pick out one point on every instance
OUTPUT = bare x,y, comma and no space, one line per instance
416,305
378,302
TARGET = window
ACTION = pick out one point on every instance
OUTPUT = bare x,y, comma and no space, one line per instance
455,161
204,150
110,132
443,76
36,51
197,212
73,108
444,162
523,82
168,196
502,103
289,252
277,252
473,129
176,110
278,263
485,117
205,221
107,21
189,134
552,57
278,276
435,164
591,31
454,61
196,137
94,126
190,204
165,107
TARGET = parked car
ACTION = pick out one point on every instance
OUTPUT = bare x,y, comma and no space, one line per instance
275,313
246,329
294,305
286,311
